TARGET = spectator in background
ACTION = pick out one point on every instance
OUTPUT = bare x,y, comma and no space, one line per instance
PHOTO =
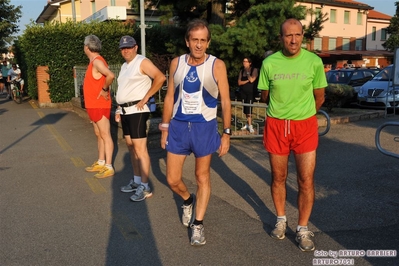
246,81
14,75
4,77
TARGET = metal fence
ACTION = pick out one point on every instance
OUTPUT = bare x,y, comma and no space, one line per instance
238,119
79,75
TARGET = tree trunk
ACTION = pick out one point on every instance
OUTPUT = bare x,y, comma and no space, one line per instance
216,12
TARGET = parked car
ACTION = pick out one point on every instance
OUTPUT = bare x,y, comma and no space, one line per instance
354,77
379,92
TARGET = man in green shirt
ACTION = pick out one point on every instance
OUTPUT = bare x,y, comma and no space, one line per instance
294,80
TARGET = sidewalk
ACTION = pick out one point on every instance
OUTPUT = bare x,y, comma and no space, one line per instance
55,213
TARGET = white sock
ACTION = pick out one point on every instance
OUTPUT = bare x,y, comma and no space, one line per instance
304,227
137,179
282,217
101,162
109,166
145,185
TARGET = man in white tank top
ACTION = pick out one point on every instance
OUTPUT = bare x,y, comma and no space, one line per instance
138,80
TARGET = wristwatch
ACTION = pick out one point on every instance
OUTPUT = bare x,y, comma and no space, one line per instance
106,89
227,131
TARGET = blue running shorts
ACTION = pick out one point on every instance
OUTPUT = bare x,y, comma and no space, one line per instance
185,138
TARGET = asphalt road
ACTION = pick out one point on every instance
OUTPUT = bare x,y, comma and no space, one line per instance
52,212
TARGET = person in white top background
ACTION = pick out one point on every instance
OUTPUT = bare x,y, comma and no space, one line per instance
14,74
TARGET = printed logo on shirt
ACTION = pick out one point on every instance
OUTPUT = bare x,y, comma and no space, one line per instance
192,77
292,76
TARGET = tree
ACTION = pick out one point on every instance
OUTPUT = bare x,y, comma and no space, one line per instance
9,17
252,27
255,32
312,31
183,10
393,31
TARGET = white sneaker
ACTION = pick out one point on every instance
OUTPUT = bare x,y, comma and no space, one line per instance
187,214
244,127
197,236
251,129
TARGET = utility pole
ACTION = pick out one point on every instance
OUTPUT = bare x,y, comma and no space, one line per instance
73,11
142,27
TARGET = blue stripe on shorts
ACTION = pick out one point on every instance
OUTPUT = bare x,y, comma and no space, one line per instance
193,137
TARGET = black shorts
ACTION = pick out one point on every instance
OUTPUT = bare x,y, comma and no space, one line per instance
247,95
135,125
4,80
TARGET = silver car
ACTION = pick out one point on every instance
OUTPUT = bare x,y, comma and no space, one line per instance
379,92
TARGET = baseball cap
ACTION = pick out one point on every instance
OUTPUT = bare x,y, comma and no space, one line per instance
127,42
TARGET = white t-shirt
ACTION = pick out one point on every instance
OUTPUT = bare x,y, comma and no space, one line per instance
14,73
133,85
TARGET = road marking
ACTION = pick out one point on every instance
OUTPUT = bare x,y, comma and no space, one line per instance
32,103
125,226
61,141
95,185
78,162
93,182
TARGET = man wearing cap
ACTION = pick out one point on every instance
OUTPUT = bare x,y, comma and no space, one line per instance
97,99
138,80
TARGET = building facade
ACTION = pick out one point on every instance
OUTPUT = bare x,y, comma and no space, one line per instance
353,33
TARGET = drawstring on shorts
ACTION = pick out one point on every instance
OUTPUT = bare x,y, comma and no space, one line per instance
287,128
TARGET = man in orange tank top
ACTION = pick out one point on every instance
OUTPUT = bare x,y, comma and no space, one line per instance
97,100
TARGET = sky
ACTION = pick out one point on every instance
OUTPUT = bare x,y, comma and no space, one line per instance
31,9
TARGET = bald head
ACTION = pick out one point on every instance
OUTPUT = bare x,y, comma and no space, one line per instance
290,21
291,37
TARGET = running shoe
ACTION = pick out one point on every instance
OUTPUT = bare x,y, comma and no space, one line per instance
105,172
251,129
279,230
141,193
197,235
95,167
131,187
187,213
303,237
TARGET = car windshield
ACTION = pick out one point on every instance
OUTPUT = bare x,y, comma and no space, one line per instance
384,75
338,76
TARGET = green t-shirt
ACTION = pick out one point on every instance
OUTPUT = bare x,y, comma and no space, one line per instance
291,82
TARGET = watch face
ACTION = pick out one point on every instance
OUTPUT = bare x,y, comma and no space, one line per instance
227,131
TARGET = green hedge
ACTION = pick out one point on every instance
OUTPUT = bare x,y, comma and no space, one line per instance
60,47
338,95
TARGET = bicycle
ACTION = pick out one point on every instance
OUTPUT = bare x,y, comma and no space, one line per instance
16,91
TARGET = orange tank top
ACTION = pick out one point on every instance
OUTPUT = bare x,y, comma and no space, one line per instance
92,87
